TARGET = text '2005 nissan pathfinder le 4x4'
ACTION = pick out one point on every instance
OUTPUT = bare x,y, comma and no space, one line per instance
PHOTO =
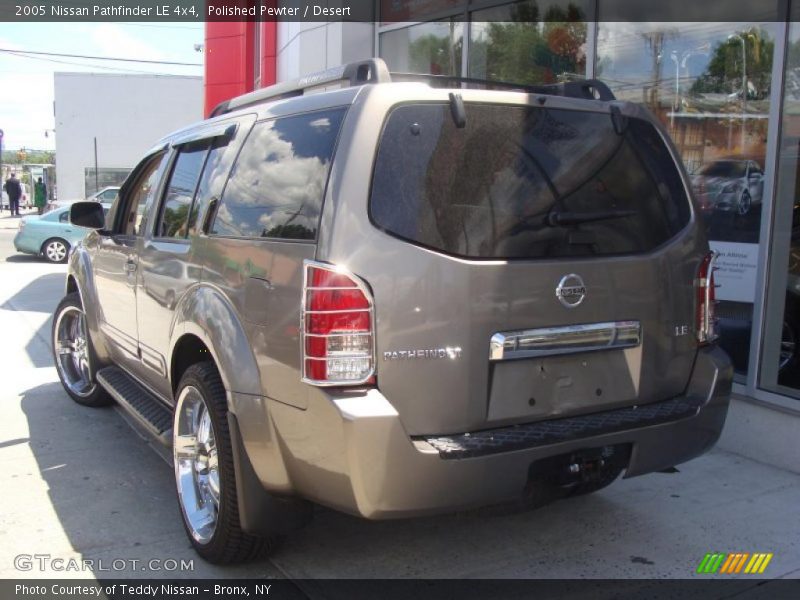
397,298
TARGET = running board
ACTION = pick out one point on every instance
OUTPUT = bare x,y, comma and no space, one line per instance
138,402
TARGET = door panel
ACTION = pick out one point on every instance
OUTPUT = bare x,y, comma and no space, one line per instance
116,263
167,264
115,274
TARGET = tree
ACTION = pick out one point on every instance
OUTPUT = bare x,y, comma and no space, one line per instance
723,74
436,54
527,50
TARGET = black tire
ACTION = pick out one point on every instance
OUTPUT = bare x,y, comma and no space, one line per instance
96,396
228,543
56,250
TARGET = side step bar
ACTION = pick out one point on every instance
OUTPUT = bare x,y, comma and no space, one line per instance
146,409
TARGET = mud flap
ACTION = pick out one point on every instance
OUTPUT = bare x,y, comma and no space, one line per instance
261,513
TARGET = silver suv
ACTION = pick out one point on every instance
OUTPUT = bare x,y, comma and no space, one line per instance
399,298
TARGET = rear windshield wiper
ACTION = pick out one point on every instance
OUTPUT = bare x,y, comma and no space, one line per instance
556,219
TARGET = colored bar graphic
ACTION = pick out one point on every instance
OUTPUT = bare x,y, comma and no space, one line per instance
764,564
731,560
741,562
733,563
704,563
718,562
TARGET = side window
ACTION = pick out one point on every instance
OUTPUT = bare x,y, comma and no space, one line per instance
64,217
278,181
141,191
173,221
215,173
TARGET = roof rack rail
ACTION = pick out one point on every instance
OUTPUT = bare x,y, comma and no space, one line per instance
590,89
372,70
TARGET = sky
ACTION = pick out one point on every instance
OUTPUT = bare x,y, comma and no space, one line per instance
26,83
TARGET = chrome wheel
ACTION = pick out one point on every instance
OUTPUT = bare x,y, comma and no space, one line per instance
745,202
196,464
788,346
72,351
56,251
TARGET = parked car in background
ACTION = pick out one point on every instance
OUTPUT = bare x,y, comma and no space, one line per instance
107,194
729,185
50,235
24,201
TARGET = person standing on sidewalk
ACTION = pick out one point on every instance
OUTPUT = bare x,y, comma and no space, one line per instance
14,191
39,195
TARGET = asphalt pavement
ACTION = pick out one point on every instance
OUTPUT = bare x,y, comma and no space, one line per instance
79,484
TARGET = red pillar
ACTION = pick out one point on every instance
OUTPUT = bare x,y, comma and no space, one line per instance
230,59
269,53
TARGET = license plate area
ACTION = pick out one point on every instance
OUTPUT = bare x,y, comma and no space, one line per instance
563,385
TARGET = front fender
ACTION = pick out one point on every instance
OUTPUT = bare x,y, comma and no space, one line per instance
205,312
81,276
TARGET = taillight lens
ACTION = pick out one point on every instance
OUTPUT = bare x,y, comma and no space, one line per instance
337,327
706,300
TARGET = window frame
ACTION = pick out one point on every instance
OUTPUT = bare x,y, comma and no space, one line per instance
345,108
162,192
124,194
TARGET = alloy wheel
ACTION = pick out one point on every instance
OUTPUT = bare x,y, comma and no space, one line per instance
196,464
56,251
744,204
72,351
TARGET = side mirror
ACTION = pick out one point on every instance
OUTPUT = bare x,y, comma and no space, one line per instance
87,214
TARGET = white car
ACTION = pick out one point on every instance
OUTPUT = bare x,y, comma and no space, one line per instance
108,194
24,200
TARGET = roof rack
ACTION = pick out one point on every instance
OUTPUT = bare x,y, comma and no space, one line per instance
589,89
374,70
358,73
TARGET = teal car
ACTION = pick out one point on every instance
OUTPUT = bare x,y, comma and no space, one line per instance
50,235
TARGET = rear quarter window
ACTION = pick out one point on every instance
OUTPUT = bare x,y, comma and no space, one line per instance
278,181
525,182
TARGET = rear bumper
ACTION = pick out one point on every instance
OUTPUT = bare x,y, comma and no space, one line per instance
352,453
22,243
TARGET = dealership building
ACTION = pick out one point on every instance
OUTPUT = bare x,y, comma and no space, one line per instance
728,93
105,122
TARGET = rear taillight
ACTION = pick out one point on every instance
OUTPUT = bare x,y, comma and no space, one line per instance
706,300
337,326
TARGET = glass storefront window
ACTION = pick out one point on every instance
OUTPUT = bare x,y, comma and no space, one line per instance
104,178
779,351
433,47
710,85
529,42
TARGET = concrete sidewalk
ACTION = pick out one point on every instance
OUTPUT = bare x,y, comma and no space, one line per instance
12,222
78,483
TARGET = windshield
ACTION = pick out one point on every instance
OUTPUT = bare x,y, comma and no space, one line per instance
525,182
729,169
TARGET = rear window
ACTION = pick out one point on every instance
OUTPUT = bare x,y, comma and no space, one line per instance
525,182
